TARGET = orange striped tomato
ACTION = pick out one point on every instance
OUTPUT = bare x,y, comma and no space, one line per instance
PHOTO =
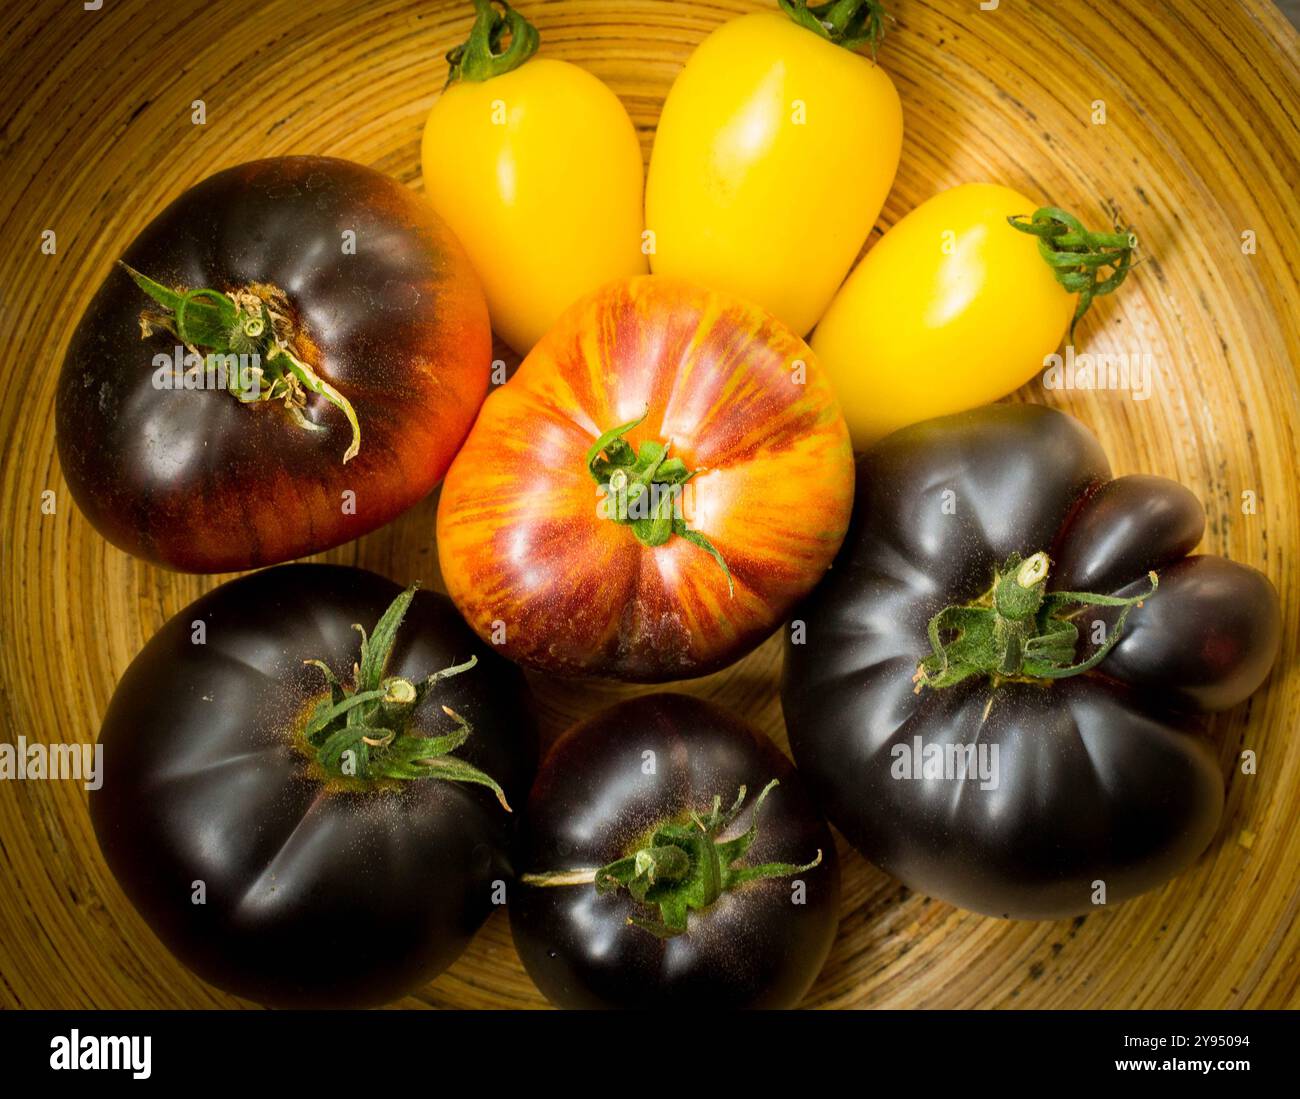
722,417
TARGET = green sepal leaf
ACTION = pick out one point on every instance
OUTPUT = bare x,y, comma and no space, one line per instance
377,723
1015,630
620,453
166,297
685,866
447,768
376,650
697,539
337,691
322,719
765,870
429,682
733,850
351,737
847,23
200,318
1076,255
627,476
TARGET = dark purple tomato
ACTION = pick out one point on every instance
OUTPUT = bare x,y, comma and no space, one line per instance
314,834
995,693
370,329
670,858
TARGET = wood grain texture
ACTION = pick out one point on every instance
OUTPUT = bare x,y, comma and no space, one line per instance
1199,145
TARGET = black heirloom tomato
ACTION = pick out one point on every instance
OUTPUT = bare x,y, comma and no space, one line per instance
670,857
996,694
332,339
303,815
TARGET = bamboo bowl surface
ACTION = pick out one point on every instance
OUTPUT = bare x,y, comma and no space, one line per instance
1200,145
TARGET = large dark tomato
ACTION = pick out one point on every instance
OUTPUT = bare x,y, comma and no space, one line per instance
990,695
368,324
290,837
670,857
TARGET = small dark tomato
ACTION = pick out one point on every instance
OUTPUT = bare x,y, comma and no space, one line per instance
333,352
670,857
995,695
304,816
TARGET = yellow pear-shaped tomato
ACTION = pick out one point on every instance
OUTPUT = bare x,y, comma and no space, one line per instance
952,308
536,167
774,154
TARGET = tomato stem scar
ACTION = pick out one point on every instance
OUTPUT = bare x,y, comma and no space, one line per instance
1017,630
248,321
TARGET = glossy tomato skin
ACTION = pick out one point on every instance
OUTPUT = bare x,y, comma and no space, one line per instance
1210,643
592,802
539,173
195,480
950,309
315,896
1105,776
773,156
535,567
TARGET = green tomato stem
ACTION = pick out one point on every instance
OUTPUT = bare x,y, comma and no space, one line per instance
643,489
480,57
683,867
1077,255
847,23
367,733
1017,630
245,322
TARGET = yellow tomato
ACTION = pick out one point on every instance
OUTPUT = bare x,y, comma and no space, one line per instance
951,308
774,154
538,170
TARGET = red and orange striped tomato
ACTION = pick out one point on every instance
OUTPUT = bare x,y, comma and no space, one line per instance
722,417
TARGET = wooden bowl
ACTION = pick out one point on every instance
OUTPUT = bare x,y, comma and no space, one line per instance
1199,146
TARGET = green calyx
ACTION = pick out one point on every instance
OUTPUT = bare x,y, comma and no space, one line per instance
481,56
1077,256
251,321
366,732
847,23
682,867
643,490
1017,631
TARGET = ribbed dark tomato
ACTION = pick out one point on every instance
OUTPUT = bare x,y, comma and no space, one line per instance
314,893
195,480
1105,784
